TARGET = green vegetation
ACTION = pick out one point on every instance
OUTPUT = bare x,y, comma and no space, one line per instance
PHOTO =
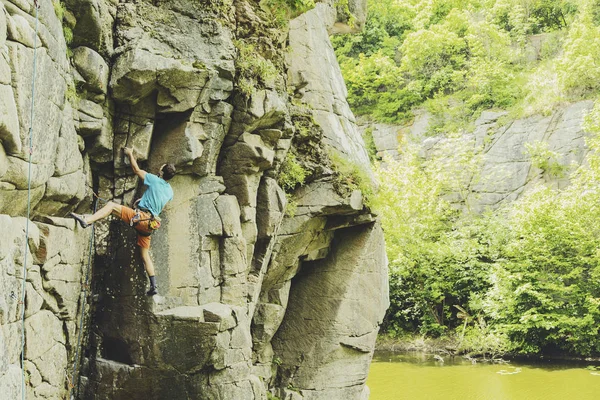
350,176
282,11
71,95
370,143
67,20
545,159
524,278
457,57
253,69
292,174
59,9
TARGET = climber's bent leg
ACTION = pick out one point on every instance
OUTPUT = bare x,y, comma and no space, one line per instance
104,212
109,208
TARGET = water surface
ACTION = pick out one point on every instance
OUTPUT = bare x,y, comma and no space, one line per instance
420,377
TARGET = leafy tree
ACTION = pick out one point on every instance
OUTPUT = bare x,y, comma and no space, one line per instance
479,53
387,22
579,66
436,258
375,87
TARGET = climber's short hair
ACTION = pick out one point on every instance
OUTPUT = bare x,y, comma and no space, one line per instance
168,171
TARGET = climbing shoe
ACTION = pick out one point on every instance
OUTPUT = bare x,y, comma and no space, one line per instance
152,291
80,219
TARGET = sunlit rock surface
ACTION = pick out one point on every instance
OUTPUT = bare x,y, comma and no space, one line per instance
256,296
507,168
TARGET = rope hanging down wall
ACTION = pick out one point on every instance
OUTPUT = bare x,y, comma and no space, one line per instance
73,384
24,284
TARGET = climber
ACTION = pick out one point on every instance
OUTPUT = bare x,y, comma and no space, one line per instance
145,216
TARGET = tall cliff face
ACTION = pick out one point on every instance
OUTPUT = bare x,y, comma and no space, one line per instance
261,290
514,154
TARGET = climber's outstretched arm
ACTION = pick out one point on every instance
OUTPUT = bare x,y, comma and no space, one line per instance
134,165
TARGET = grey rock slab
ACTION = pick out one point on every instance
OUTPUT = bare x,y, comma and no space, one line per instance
14,202
68,157
174,143
9,122
94,27
19,30
194,313
47,391
67,188
140,140
229,211
63,272
4,161
34,234
232,374
234,290
92,68
244,187
33,301
331,293
249,155
49,99
57,241
223,357
10,382
312,63
134,74
206,211
6,239
321,198
52,363
266,321
42,332
233,256
211,184
34,375
270,207
18,173
362,343
68,223
5,78
180,88
90,110
101,146
221,313
3,28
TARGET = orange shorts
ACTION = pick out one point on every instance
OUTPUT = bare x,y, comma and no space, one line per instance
127,214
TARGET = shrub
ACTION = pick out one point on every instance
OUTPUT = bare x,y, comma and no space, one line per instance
350,176
545,159
579,66
292,174
252,68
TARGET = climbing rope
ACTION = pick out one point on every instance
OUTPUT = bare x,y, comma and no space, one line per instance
24,286
84,292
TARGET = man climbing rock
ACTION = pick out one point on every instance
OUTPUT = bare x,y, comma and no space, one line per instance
145,217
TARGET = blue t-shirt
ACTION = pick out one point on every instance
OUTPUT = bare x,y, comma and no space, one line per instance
157,194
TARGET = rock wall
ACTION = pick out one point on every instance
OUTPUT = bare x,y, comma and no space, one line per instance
507,167
56,254
246,272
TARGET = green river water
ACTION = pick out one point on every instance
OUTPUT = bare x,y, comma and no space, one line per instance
420,377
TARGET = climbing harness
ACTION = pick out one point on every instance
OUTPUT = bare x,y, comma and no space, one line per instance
153,222
24,286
